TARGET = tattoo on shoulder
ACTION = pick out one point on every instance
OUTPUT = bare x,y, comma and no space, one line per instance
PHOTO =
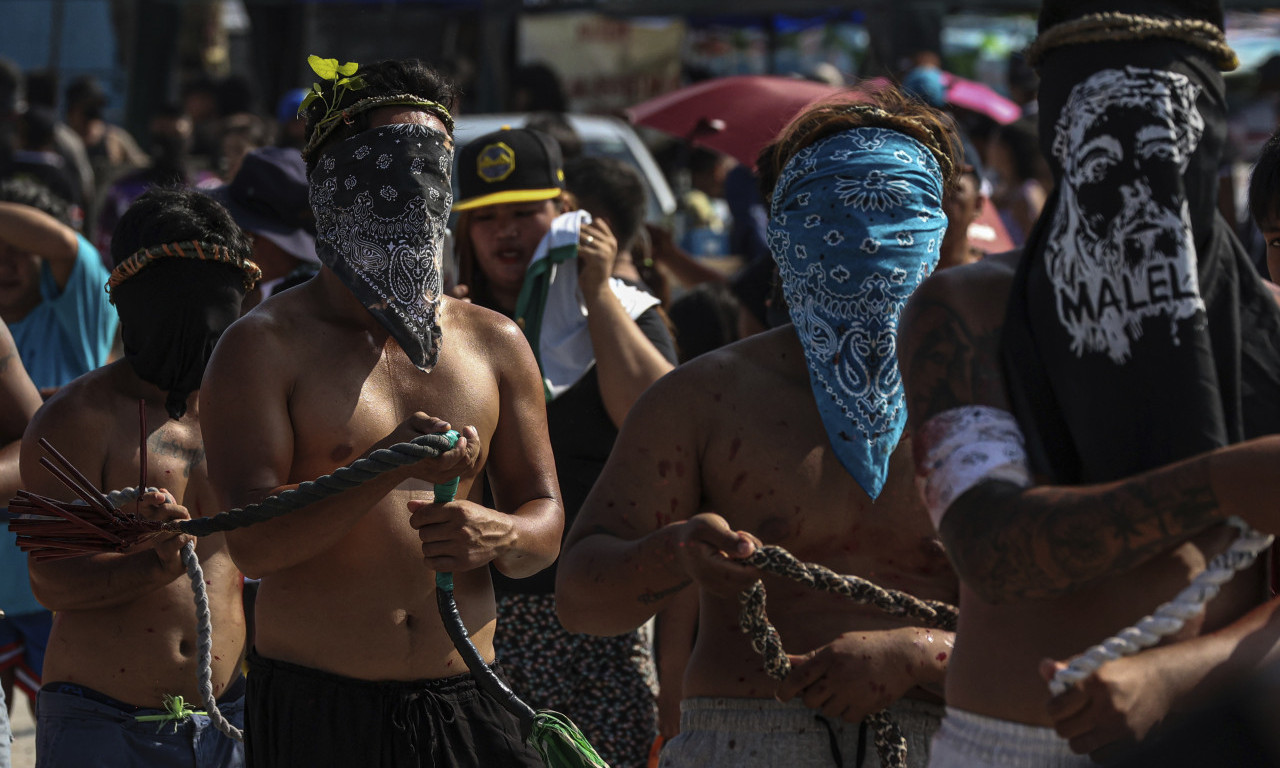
951,363
1065,538
649,598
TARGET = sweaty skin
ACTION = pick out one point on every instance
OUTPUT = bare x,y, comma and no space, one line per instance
125,624
737,432
1049,571
308,382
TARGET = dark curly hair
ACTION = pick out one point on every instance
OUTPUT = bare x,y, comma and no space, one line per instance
883,108
390,77
173,214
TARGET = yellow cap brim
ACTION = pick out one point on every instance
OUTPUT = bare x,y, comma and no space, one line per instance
510,196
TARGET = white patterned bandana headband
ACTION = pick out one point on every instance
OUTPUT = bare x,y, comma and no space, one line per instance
381,200
856,225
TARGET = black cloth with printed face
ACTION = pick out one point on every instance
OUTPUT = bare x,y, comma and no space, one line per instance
381,200
172,313
1137,332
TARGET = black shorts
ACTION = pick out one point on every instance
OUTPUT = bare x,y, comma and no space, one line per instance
297,716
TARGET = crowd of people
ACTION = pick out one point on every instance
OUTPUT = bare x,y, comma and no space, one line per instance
872,420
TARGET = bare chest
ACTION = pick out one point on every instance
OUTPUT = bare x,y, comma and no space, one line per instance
781,481
350,405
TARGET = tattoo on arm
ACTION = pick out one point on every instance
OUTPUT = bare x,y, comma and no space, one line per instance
649,598
7,360
951,363
1010,544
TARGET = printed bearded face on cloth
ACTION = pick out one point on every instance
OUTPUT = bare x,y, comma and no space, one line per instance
1122,235
856,224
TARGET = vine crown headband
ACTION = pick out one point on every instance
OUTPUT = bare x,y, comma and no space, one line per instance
856,225
337,80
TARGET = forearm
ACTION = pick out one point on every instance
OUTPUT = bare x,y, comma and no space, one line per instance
606,585
1009,544
626,361
688,270
10,474
536,529
97,581
1199,669
34,231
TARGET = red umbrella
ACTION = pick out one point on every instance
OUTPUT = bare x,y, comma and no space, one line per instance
735,115
980,98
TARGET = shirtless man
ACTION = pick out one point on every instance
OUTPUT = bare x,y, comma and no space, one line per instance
1048,570
124,638
314,378
735,448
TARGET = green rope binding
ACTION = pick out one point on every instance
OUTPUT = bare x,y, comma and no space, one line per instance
552,735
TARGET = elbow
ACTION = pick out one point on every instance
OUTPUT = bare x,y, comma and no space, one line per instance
571,604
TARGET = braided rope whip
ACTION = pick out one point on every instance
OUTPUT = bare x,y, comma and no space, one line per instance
752,619
204,621
1170,617
342,479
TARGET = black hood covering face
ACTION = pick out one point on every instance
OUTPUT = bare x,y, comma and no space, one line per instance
172,313
1137,331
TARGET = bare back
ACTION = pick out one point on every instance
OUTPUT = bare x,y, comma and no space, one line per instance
750,446
301,390
138,648
953,359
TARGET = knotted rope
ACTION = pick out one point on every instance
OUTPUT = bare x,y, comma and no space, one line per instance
204,629
110,504
1170,617
890,743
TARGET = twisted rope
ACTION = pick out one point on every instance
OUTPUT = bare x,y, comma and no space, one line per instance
204,647
345,478
1170,617
204,620
752,619
1124,27
342,479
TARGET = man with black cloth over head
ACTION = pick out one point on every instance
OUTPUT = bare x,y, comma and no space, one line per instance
351,664
124,641
1086,414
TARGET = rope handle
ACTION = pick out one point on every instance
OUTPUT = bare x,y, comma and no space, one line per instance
1170,617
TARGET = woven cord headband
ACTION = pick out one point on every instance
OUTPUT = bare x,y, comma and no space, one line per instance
345,116
1121,27
188,249
922,133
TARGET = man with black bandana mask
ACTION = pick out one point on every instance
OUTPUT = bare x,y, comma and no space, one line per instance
125,637
366,354
1086,414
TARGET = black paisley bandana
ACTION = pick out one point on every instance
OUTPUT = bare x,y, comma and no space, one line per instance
381,200
1137,333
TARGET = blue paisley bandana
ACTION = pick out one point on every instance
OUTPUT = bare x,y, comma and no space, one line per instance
381,200
856,225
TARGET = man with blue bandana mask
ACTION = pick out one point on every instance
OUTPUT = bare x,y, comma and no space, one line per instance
352,665
791,438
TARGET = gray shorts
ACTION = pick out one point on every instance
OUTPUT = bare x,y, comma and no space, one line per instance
77,727
967,740
764,733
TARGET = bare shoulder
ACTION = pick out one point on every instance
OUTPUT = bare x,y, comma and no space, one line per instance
949,337
484,326
89,400
78,421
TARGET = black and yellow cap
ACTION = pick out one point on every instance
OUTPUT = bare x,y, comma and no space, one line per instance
513,165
